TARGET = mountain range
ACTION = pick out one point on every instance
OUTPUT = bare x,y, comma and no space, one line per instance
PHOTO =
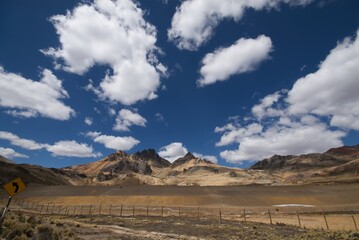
147,167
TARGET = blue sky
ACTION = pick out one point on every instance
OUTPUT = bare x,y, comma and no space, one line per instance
231,81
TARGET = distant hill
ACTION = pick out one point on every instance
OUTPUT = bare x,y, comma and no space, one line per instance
36,174
342,162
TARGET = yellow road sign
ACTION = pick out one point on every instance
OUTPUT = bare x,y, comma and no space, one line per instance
14,187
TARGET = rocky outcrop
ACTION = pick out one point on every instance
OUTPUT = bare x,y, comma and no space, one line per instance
274,162
152,158
126,165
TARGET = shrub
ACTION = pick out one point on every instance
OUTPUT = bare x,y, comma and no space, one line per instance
45,232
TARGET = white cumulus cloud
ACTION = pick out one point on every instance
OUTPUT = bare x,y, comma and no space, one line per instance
20,142
173,151
11,153
113,142
88,121
126,118
72,149
194,22
265,107
293,138
29,98
112,33
332,90
61,148
243,56
296,121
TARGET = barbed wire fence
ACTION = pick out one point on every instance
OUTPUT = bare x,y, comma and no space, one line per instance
308,218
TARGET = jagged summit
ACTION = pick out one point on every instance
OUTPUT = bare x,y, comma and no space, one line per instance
116,156
186,158
151,156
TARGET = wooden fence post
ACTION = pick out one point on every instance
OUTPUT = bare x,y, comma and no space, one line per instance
244,215
99,211
121,210
147,214
58,212
162,211
300,224
198,214
81,209
67,209
74,210
109,212
355,223
220,216
47,207
90,209
53,207
326,222
42,206
179,211
270,217
133,211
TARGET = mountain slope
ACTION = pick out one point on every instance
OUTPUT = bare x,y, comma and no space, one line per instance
335,165
36,174
5,160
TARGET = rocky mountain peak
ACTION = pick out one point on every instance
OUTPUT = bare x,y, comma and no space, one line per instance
151,156
274,162
116,156
189,156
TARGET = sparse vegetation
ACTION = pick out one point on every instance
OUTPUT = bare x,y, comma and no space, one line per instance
25,226
38,227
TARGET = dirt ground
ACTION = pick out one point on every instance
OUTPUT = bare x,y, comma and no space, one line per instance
173,212
345,195
22,225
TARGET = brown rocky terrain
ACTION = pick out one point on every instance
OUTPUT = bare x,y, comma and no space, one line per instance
36,174
339,165
336,165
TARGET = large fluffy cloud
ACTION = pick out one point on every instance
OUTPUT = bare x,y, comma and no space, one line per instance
110,33
243,56
11,153
112,142
67,148
29,98
194,21
20,142
126,118
284,137
72,149
173,151
333,89
295,121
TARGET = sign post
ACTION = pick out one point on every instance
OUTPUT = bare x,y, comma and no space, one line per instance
12,188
